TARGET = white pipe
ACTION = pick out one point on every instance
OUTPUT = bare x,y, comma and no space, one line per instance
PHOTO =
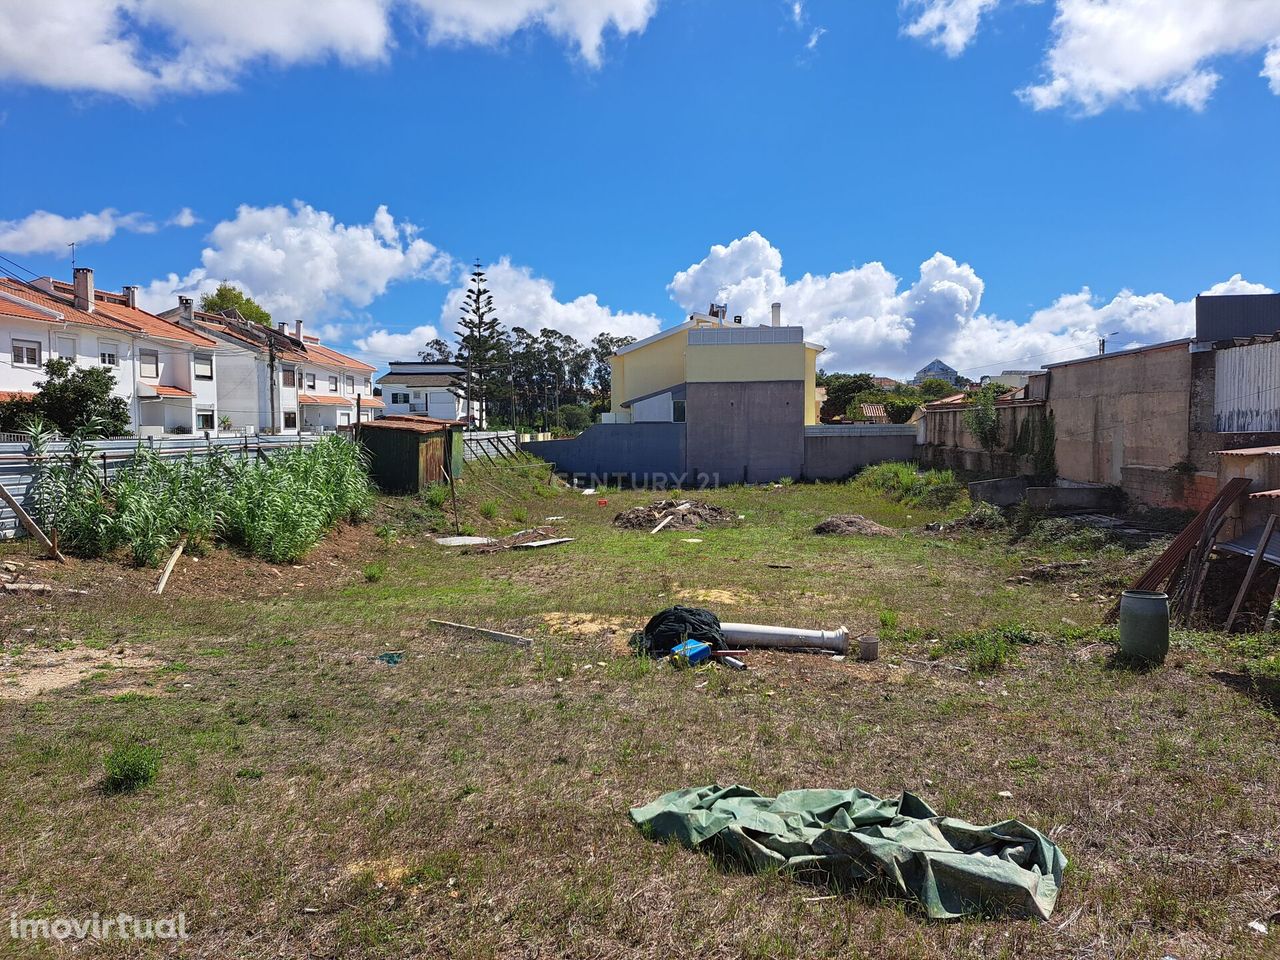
785,638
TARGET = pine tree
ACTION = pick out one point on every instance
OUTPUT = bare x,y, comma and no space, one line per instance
482,345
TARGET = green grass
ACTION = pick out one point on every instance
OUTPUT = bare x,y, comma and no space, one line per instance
471,801
130,767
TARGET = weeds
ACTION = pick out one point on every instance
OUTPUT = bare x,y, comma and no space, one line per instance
130,767
489,509
903,483
375,572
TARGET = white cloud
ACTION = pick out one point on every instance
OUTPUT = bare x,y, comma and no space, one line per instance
385,345
1104,53
869,320
51,233
949,24
523,300
1237,285
140,48
184,218
300,262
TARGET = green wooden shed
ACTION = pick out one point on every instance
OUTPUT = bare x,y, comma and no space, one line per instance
407,454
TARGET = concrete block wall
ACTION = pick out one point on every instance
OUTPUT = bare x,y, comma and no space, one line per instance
746,432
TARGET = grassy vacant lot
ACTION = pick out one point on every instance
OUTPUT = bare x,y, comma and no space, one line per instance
311,800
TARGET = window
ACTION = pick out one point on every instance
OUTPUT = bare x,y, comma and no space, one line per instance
66,347
149,364
291,419
204,366
204,419
677,411
26,353
368,384
333,384
108,353
351,384
309,380
288,379
399,398
344,418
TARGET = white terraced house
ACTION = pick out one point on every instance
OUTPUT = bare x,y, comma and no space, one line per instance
167,373
425,388
274,380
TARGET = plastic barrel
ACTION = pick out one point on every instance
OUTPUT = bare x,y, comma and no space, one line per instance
1144,625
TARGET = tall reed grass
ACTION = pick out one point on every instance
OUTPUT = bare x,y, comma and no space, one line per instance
277,510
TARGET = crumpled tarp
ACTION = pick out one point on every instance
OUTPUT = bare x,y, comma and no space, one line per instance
668,628
846,837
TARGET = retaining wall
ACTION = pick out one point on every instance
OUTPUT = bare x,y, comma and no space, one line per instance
837,451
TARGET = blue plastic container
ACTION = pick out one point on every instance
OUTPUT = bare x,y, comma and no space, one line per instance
690,653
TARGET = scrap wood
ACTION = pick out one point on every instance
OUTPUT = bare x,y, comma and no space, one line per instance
498,635
667,519
31,526
168,567
535,544
1263,542
537,537
1167,564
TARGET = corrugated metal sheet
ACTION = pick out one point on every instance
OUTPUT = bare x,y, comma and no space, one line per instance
1246,392
1240,315
718,336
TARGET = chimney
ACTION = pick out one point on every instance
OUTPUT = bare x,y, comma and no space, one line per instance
777,314
83,278
283,327
186,309
131,296
298,329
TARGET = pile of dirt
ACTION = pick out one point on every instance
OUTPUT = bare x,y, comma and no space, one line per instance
683,514
850,525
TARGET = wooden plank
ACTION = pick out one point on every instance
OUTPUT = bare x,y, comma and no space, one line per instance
31,526
1252,572
498,635
168,567
669,517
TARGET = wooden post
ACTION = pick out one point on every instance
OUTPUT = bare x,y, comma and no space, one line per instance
1253,570
1271,610
31,526
457,527
168,567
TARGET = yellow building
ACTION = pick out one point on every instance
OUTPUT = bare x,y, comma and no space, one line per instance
652,377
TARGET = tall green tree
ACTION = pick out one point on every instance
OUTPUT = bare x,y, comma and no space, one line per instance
437,351
482,344
230,297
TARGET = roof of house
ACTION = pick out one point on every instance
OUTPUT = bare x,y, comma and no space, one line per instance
53,309
166,391
251,334
411,424
886,382
117,305
874,411
323,400
326,355
1250,452
15,395
373,403
419,379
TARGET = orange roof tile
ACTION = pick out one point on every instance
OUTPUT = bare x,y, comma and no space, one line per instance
374,403
15,395
311,398
411,424
66,309
326,355
285,348
116,305
166,391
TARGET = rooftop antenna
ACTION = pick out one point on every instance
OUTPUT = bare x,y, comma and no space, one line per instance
72,245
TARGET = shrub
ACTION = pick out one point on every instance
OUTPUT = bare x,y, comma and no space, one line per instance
905,484
1065,533
489,509
992,648
984,516
130,767
436,496
375,572
519,515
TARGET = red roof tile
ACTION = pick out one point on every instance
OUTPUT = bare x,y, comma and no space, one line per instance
15,395
411,424
326,355
324,401
166,391
64,308
117,306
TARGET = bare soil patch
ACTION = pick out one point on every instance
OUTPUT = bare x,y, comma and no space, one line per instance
34,672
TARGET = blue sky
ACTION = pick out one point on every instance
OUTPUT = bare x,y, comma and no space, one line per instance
1076,178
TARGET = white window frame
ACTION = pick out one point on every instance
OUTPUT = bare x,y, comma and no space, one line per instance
24,348
351,384
195,371
285,419
333,383
143,357
108,348
309,380
59,340
205,413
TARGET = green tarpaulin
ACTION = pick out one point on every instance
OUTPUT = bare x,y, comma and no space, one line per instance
952,868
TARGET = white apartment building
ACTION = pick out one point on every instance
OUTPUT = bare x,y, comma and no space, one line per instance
425,388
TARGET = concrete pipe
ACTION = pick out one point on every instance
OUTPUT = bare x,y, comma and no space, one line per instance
785,638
